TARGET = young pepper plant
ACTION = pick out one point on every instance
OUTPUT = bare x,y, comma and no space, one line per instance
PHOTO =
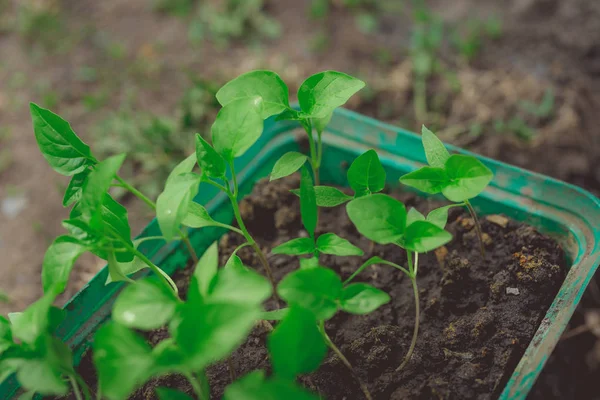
458,177
222,306
319,95
327,243
384,220
97,223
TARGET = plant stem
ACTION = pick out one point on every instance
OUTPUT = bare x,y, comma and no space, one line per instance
75,386
197,386
420,88
136,193
314,157
477,227
166,279
238,217
413,343
231,369
344,360
190,248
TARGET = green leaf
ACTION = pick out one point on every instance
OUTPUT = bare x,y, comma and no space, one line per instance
469,177
198,217
360,298
255,386
206,269
308,202
435,151
39,375
60,146
423,236
27,395
6,339
114,216
169,358
288,164
184,167
266,84
327,196
316,289
208,333
439,216
366,174
289,342
296,247
427,179
171,394
173,203
414,215
330,243
238,284
211,163
379,217
116,271
30,324
125,269
96,186
321,93
123,360
146,305
238,126
73,192
58,262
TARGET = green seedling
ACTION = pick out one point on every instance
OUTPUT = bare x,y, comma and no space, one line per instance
319,96
327,243
458,177
365,176
384,220
542,110
97,223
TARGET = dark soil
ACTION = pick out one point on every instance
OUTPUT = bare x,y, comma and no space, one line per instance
473,331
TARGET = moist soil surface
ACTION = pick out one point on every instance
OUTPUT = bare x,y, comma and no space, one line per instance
477,314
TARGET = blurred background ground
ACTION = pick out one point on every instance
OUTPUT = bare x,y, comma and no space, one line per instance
516,80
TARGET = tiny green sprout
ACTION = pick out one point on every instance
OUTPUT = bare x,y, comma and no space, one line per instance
319,95
458,177
327,243
366,176
223,304
385,220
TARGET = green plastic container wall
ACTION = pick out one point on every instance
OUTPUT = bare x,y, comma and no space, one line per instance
568,213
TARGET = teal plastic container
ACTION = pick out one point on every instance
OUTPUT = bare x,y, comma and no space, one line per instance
567,213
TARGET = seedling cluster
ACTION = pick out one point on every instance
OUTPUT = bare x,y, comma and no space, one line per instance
223,304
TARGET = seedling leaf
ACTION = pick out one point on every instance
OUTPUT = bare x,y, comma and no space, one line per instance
379,217
58,262
360,298
198,217
328,196
435,151
6,339
330,243
289,342
321,123
73,191
295,247
238,284
316,289
321,93
308,202
207,268
60,146
30,324
414,215
211,163
427,179
469,177
366,174
173,203
423,236
255,386
171,394
123,360
439,216
184,167
266,84
288,164
238,126
311,262
145,305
